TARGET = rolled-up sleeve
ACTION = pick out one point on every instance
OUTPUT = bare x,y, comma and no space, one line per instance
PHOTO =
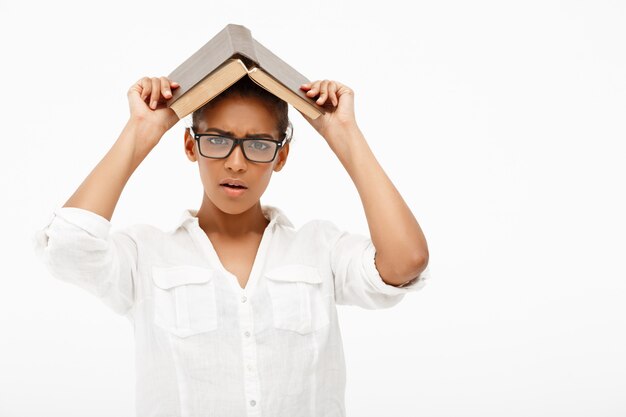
78,246
357,280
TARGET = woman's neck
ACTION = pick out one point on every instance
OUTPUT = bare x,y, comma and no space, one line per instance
215,221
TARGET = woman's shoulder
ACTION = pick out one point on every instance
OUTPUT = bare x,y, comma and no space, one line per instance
319,229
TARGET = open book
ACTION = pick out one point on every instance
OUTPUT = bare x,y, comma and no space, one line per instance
228,56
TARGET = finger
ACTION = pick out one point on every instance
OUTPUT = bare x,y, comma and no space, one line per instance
165,87
136,87
174,84
323,92
344,89
146,86
156,92
314,89
305,86
332,92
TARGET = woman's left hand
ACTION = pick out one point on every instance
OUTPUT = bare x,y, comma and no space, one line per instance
338,101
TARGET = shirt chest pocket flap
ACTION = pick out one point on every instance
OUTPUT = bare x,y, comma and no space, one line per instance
184,299
298,301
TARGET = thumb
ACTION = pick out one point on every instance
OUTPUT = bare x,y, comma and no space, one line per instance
134,96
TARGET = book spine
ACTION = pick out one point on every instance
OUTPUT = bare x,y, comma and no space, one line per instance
243,44
227,43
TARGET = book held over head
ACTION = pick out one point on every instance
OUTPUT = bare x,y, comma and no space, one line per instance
231,54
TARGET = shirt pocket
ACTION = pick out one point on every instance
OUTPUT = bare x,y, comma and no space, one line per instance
184,299
298,301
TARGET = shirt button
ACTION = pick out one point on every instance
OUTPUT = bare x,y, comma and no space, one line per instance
247,334
243,299
252,403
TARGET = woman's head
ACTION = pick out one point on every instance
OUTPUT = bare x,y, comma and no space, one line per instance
243,110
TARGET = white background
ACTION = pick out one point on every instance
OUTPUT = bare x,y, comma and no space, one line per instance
501,123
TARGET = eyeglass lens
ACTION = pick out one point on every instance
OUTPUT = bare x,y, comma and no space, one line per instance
257,150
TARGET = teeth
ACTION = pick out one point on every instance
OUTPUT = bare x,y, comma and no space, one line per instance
230,184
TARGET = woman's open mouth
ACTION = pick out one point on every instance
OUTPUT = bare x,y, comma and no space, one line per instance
233,190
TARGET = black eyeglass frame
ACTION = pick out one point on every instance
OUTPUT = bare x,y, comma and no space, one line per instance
237,141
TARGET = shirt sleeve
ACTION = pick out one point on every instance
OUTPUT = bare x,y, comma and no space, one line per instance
357,280
78,247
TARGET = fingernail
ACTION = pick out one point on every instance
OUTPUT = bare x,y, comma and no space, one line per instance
153,104
167,93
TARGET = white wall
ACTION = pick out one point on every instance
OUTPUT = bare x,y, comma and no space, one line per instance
501,123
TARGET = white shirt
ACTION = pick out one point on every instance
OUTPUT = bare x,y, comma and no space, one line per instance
207,347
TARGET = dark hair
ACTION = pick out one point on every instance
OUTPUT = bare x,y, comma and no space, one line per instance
245,87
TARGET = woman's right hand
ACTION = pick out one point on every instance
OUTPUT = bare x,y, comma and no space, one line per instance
146,99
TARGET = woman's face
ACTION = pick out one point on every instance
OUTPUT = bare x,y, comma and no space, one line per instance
240,117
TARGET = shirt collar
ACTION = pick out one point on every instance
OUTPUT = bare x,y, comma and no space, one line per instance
274,214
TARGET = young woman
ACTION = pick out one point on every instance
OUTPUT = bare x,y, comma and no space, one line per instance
234,310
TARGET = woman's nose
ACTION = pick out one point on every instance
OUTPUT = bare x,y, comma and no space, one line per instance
236,160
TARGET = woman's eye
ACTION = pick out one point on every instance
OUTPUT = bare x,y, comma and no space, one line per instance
258,145
217,141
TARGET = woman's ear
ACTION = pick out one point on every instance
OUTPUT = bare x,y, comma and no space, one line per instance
190,146
281,158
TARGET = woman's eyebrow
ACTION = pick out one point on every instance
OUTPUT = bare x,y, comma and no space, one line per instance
249,135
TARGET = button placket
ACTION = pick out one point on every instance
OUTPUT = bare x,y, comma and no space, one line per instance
248,341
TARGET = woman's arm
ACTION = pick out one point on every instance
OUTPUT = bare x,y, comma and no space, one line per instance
78,245
101,190
401,248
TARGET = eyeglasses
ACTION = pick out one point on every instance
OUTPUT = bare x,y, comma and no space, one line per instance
216,146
